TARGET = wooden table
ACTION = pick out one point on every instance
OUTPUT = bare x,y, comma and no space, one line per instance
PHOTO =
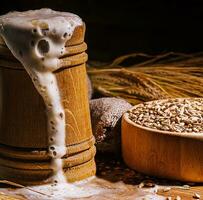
111,171
114,170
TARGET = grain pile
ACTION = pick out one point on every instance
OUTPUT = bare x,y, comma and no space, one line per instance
175,115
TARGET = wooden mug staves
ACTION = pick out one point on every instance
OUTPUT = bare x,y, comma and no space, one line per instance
23,127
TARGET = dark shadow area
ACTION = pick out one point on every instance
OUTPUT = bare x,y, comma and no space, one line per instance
115,28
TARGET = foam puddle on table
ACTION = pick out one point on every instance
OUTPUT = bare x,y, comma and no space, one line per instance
91,189
58,191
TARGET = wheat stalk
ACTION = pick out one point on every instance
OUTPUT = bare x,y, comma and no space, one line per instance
157,77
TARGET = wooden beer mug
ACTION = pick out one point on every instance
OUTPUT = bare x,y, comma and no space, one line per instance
24,156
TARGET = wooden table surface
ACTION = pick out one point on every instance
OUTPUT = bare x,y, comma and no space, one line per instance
115,170
112,170
184,194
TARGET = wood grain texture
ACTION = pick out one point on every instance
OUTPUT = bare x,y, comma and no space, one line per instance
27,164
24,118
42,154
23,114
37,177
173,156
74,96
184,194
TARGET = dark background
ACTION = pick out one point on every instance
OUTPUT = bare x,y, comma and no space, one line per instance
119,27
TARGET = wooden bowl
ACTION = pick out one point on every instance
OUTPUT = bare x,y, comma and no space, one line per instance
164,154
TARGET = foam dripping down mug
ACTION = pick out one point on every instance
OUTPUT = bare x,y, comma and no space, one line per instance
45,130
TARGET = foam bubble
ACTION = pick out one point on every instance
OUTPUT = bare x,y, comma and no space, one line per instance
43,46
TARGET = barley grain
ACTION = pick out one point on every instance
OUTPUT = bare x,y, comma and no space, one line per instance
175,115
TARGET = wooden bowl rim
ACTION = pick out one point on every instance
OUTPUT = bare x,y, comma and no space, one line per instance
193,135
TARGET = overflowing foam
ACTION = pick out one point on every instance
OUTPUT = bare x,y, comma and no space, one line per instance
37,39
